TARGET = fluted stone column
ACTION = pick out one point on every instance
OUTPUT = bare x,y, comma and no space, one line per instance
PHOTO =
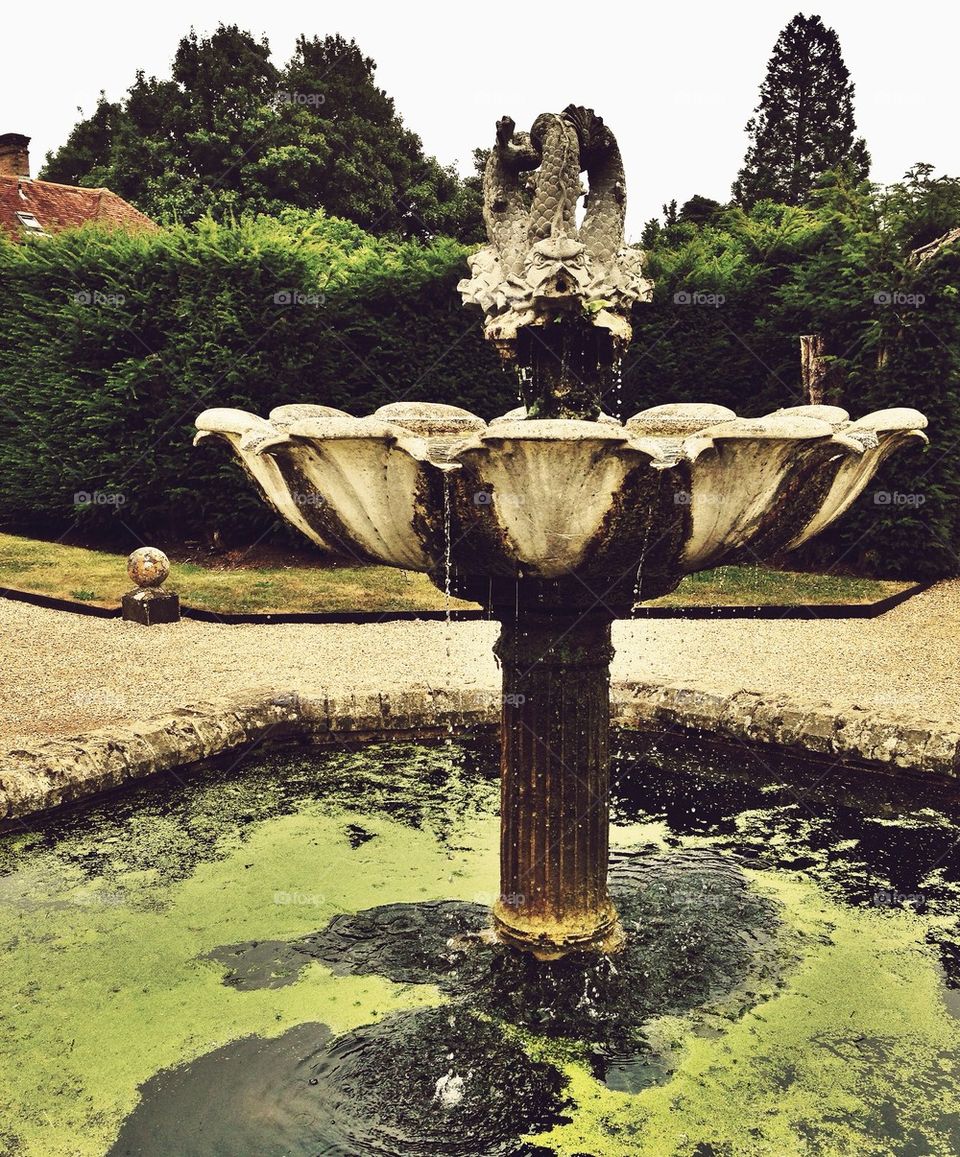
555,784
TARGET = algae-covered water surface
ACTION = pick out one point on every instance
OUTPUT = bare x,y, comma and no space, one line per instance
280,957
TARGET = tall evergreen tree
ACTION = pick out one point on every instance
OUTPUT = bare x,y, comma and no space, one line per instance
804,124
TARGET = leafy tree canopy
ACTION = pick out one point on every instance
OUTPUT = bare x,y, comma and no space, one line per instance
700,210
230,132
922,207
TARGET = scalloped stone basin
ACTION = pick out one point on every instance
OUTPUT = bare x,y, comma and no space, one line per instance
559,526
678,488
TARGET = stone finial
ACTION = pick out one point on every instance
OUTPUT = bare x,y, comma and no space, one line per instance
148,567
148,604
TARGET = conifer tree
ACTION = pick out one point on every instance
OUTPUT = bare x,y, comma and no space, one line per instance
804,124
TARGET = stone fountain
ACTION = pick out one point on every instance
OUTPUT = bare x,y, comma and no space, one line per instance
557,517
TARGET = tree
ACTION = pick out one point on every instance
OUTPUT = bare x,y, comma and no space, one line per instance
922,206
699,210
651,231
804,124
85,157
359,159
230,133
178,148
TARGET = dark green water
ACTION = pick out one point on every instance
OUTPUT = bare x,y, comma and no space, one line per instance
257,960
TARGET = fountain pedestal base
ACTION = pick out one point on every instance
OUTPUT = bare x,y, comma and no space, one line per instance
555,783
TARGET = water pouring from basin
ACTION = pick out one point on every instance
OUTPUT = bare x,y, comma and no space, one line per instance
557,517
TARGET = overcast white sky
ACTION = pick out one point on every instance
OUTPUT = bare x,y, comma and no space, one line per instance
675,81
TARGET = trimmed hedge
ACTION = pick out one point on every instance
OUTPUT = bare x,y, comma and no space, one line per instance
893,332
113,343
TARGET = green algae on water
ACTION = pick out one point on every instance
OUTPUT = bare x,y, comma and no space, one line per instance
108,918
104,978
856,1056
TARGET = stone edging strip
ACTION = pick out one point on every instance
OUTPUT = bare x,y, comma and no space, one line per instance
469,614
52,772
852,734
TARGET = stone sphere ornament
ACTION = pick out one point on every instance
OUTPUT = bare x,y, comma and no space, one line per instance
148,567
147,604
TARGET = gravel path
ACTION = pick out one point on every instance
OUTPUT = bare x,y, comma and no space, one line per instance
63,674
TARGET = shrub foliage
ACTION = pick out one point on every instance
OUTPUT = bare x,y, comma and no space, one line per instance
113,343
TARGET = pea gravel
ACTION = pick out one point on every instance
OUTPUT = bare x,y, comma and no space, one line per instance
63,674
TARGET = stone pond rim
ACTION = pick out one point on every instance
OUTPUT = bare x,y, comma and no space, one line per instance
557,517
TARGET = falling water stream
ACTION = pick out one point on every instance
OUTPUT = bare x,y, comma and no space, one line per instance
618,390
651,515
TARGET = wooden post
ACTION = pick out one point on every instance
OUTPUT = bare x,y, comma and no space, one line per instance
813,368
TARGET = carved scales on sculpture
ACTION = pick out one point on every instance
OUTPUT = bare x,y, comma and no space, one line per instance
557,298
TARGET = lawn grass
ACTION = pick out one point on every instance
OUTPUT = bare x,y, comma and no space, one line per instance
729,586
100,578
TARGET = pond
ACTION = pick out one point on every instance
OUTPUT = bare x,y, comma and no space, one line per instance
280,956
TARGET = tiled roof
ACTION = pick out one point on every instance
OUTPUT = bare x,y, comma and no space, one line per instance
62,206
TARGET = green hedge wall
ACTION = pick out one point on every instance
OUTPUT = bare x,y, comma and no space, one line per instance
893,332
112,344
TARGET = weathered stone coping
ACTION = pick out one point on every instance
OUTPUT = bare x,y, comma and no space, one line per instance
884,739
51,772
